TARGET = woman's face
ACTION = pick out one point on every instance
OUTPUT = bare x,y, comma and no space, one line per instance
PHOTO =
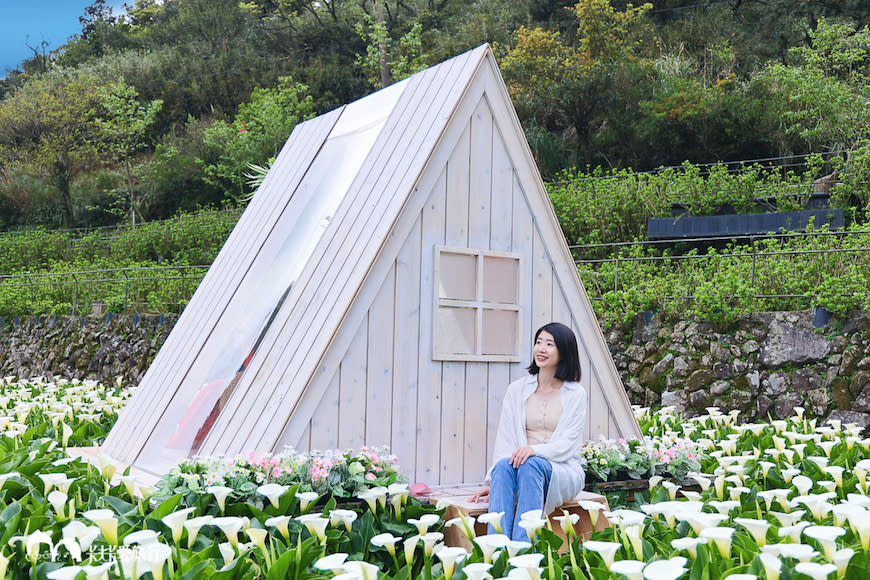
545,351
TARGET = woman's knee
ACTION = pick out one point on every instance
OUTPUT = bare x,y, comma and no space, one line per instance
535,466
503,467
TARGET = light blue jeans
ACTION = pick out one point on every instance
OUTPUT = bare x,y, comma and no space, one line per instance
516,490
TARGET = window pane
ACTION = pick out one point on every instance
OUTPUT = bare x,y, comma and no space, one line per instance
500,332
500,280
456,330
457,276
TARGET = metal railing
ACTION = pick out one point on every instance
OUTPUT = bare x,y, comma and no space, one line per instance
117,287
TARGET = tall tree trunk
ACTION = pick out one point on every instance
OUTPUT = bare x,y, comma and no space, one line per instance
62,181
382,46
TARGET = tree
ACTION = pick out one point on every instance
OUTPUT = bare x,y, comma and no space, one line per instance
569,85
47,129
258,132
124,127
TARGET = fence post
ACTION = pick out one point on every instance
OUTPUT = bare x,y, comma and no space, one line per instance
616,275
754,257
181,294
126,287
75,304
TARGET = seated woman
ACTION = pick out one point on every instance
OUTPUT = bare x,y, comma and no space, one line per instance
540,434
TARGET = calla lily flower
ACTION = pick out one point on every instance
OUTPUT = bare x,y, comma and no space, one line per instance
410,546
258,537
491,518
142,537
515,546
175,522
280,523
363,570
772,565
757,528
342,517
788,519
100,572
721,537
567,522
700,521
815,570
477,571
841,560
801,552
490,543
424,523
193,526
688,544
526,561
670,569
429,539
81,533
273,492
531,526
305,498
386,540
449,558
331,563
631,569
316,525
58,480
107,522
607,550
593,508
836,472
32,542
57,499
724,507
465,523
793,533
65,573
826,536
220,493
154,556
228,552
230,526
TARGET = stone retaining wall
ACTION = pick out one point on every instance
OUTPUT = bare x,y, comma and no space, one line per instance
766,365
101,348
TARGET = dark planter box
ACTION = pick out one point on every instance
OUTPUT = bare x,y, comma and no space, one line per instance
688,226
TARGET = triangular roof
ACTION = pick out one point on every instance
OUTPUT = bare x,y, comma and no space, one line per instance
284,298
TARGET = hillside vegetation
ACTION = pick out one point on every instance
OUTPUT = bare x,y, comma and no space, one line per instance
168,106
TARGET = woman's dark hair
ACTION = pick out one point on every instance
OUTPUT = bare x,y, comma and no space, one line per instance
568,368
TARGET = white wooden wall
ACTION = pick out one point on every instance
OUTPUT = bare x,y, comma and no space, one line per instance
440,418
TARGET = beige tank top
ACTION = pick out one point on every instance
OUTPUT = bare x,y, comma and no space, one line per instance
542,416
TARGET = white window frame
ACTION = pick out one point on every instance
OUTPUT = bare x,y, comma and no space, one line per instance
478,304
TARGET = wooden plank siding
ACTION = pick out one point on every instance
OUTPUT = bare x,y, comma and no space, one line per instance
338,266
172,363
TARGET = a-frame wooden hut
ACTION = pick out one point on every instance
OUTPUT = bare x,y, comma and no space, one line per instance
382,287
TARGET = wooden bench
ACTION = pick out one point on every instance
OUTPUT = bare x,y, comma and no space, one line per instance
460,504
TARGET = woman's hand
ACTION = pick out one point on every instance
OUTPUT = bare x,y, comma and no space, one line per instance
480,495
520,454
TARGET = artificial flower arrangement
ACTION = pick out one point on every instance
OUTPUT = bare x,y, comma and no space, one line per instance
336,473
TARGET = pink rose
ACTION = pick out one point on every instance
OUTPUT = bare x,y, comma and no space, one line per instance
371,476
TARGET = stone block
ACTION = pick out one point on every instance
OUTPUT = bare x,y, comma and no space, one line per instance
818,401
776,384
784,405
719,388
788,344
699,379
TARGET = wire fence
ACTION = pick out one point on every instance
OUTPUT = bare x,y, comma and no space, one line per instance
775,268
164,289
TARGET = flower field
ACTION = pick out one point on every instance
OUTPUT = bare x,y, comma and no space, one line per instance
780,500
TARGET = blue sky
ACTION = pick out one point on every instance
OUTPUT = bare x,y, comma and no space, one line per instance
24,22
